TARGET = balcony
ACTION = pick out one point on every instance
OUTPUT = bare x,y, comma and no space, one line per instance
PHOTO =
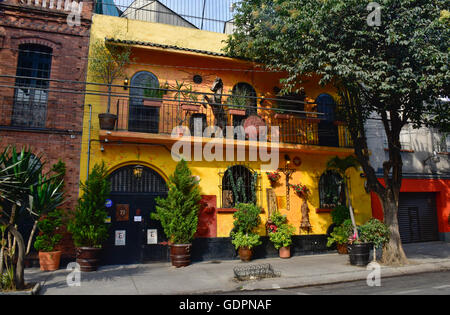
166,120
210,15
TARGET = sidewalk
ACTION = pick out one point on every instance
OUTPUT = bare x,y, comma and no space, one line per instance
217,277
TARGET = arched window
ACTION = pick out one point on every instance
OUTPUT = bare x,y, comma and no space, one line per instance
331,190
142,118
247,90
31,93
239,185
328,131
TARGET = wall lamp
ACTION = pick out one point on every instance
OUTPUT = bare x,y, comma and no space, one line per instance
125,84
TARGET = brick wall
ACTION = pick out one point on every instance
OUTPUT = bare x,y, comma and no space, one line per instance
61,137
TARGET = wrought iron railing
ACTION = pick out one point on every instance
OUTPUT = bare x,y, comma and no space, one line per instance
210,15
168,116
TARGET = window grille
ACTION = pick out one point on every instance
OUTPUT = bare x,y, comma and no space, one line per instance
31,94
239,185
331,190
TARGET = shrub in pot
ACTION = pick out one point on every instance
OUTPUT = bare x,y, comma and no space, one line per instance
370,235
244,243
280,234
376,233
87,225
48,238
340,236
246,220
178,213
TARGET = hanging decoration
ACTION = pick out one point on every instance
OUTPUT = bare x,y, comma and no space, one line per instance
302,191
287,171
273,177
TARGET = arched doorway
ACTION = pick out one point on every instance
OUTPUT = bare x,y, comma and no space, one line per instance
134,189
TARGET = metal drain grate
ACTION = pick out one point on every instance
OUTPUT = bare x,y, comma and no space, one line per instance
255,272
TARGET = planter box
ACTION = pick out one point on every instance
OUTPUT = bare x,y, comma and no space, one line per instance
32,290
152,103
190,107
236,112
283,116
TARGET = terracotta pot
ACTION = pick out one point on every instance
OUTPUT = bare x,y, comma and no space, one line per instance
236,112
88,258
152,103
283,116
342,249
180,255
245,253
285,252
190,107
49,261
107,121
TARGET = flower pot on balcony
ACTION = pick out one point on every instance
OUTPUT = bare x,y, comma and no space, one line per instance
282,116
190,107
236,112
107,121
153,103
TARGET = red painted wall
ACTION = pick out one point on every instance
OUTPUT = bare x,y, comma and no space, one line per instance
439,186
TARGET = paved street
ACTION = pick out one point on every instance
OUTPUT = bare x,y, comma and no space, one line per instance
422,284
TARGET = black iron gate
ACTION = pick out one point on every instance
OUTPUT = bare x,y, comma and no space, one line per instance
133,192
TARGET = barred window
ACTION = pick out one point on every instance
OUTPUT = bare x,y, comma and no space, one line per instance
331,190
31,93
239,185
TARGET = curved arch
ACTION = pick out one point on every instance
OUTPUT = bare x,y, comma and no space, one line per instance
143,163
331,189
142,118
239,179
328,131
326,104
244,87
124,180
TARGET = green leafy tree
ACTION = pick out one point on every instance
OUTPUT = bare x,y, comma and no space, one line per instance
246,218
178,213
88,225
392,70
107,63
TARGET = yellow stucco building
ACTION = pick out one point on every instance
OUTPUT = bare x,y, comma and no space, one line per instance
138,150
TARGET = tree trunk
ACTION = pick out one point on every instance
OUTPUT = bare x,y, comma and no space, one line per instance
30,240
108,109
393,253
352,215
19,272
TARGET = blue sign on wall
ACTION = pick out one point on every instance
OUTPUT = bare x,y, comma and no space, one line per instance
108,203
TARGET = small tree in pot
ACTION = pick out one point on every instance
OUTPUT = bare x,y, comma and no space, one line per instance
280,234
178,213
107,63
88,226
48,238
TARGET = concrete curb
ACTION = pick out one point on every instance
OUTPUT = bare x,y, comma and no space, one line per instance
34,291
324,279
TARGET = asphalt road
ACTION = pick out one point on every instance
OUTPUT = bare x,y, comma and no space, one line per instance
420,284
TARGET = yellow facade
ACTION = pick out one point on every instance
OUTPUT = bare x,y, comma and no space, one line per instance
171,65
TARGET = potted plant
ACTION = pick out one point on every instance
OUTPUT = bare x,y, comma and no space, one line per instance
178,213
48,238
280,234
107,64
154,94
340,236
87,225
238,102
372,234
281,115
244,243
246,220
376,233
190,100
273,177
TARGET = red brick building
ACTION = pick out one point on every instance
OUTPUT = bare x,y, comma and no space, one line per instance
43,48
